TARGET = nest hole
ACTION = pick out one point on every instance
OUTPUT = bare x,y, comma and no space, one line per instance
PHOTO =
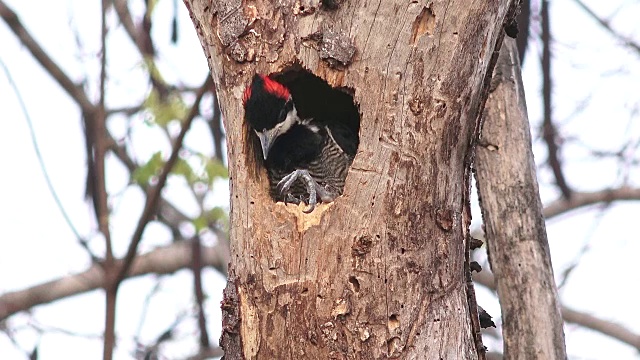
315,99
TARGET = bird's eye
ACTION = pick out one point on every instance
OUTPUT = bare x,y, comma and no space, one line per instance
283,114
288,106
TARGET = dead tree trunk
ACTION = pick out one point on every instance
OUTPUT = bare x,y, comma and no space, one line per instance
513,220
381,271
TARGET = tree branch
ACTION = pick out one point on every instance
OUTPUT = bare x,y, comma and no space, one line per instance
163,260
607,26
611,329
582,199
141,37
41,163
74,90
513,220
124,15
215,125
549,132
100,195
199,293
167,213
153,196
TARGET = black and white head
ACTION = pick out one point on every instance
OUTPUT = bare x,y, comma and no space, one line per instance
269,110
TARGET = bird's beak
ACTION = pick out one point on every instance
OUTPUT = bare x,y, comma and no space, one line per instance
266,140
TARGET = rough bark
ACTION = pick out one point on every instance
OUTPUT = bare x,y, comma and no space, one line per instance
513,220
380,272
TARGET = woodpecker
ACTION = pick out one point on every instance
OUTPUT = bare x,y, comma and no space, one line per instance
307,154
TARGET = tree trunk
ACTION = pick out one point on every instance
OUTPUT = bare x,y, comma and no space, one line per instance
381,271
513,220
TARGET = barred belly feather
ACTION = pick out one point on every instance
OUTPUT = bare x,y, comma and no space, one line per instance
329,170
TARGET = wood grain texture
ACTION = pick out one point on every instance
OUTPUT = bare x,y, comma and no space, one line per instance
513,220
379,273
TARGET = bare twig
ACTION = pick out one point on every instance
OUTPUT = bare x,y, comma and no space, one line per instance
163,260
127,110
609,328
549,131
42,328
215,125
145,307
151,351
167,213
141,37
74,90
615,331
607,26
126,20
12,338
43,168
582,199
121,153
584,249
99,191
99,136
153,195
197,286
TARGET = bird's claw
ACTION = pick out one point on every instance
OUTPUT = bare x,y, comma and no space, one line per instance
285,184
290,199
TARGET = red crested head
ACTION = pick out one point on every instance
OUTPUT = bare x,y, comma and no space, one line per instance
275,88
268,85
266,102
246,95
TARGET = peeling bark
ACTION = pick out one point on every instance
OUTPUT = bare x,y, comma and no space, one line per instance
381,271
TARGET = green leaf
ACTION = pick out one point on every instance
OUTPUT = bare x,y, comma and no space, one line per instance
217,215
183,168
143,174
151,5
214,169
154,72
200,223
165,110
